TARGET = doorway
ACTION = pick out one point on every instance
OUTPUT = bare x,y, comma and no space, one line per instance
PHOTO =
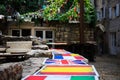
113,43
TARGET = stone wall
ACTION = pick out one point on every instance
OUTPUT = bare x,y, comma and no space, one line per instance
10,71
70,33
63,32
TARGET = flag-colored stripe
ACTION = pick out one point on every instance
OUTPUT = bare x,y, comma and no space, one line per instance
67,69
59,77
62,69
36,78
76,62
82,78
79,57
64,62
67,73
58,56
74,54
65,54
69,66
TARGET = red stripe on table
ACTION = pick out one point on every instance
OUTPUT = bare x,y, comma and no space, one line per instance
67,73
36,78
79,57
68,66
64,62
66,55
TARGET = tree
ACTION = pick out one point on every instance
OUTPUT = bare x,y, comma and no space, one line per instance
59,10
69,10
22,6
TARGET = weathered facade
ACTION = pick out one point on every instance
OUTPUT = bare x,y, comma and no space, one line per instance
63,32
108,15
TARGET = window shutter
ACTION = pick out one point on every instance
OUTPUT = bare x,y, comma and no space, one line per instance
98,16
117,9
110,13
101,15
104,12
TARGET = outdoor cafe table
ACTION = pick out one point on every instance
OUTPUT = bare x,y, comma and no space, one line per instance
69,57
59,77
80,70
63,62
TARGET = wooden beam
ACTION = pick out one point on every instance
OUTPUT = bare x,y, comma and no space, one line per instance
81,29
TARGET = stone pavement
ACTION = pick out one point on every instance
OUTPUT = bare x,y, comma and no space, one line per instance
108,67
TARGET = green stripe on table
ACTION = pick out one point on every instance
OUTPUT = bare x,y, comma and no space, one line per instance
82,78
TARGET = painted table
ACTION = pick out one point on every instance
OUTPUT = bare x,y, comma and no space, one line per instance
68,70
45,77
63,62
69,57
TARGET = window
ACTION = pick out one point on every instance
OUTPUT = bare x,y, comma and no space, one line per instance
45,35
113,37
23,32
98,16
48,34
103,12
103,2
117,9
114,12
39,34
15,32
110,13
26,32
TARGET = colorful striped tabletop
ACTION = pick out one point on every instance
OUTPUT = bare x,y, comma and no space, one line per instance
67,70
45,77
65,66
68,56
63,62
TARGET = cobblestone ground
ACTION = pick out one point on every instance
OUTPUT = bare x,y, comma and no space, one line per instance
108,67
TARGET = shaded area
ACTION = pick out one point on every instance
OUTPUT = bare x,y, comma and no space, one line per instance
108,67
87,50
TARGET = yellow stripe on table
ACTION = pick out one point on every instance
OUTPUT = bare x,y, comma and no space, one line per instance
74,54
67,69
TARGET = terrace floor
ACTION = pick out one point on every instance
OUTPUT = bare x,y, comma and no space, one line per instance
108,67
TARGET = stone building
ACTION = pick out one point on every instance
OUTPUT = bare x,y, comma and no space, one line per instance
65,32
108,18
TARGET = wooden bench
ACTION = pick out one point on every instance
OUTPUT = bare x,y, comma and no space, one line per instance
19,46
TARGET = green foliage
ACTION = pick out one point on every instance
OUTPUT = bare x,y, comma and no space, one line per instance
61,10
51,11
2,9
22,6
71,10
